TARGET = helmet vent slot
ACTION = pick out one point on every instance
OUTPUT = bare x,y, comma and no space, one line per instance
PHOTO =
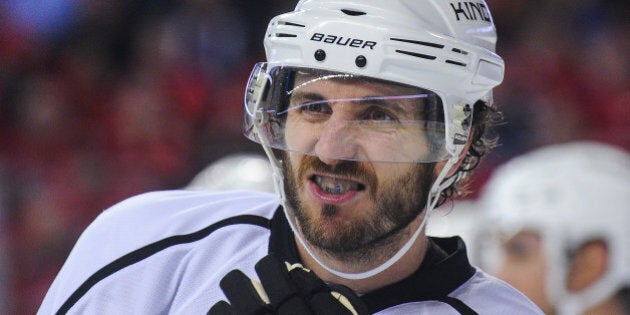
459,51
285,35
417,42
415,54
352,12
457,63
290,24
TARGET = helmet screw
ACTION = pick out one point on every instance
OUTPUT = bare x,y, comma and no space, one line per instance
360,61
320,55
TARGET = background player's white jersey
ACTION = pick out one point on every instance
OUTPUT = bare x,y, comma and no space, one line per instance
165,253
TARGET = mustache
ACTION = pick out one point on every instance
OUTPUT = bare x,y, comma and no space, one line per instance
363,171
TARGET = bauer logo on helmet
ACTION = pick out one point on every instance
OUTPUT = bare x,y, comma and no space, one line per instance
343,41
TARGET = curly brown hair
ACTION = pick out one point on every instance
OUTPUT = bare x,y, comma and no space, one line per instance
484,117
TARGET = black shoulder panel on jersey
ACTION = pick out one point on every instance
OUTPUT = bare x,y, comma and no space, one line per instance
458,305
444,268
151,249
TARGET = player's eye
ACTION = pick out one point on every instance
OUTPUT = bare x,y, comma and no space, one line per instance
380,115
316,107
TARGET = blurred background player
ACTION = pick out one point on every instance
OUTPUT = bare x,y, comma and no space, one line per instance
248,171
560,216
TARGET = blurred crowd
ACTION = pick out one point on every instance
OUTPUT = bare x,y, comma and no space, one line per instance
101,100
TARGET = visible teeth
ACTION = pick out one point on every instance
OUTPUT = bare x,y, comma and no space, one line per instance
334,185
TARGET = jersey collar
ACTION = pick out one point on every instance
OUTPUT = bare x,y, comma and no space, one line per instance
444,268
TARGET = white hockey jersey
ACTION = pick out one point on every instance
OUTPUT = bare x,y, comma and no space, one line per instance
165,253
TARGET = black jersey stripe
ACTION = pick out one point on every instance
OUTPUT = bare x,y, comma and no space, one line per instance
151,249
458,305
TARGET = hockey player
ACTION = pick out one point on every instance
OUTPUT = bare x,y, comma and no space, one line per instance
371,112
561,216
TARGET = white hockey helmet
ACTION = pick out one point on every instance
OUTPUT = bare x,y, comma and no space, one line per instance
441,51
569,194
249,171
446,48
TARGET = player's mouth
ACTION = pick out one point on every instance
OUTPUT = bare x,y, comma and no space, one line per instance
336,186
334,190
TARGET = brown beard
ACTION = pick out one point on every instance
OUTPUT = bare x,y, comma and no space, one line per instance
378,233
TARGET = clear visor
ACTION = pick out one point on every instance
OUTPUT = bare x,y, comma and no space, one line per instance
343,116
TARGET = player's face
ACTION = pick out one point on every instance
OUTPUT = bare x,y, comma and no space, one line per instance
337,118
524,267
347,207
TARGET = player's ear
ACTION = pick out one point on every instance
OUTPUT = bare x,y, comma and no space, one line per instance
587,266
